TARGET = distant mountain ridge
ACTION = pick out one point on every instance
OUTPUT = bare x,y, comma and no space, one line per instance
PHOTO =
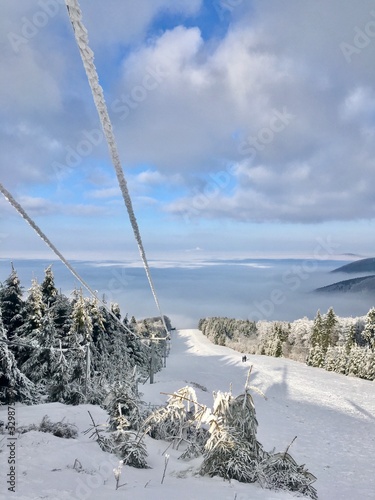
363,284
359,266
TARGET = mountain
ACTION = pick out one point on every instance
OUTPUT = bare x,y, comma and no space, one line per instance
359,266
362,284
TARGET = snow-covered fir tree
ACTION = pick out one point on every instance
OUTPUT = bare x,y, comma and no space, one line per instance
61,311
331,329
14,385
12,304
30,330
48,288
43,353
368,333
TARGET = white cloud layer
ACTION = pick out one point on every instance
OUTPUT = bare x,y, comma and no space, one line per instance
274,120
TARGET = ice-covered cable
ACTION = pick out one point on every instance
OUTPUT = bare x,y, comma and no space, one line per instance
49,243
87,56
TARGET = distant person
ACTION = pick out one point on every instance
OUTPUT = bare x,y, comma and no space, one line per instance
244,359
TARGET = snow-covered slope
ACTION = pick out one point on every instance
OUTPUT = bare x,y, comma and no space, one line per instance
333,417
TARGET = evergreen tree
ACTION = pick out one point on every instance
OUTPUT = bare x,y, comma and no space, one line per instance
319,342
48,289
369,365
350,339
342,359
133,324
14,385
331,359
12,304
33,318
39,365
316,356
317,330
60,385
69,369
79,336
356,361
62,313
368,333
99,345
81,327
330,326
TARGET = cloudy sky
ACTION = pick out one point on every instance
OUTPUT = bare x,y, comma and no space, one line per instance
246,128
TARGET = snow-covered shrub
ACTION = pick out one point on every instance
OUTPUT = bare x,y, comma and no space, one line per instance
280,471
177,420
123,402
232,450
58,429
130,447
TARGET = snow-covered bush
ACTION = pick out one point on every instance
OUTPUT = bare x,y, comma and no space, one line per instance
123,402
177,420
229,446
232,450
279,471
130,447
59,429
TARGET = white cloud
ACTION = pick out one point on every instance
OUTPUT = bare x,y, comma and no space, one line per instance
155,178
359,105
183,105
121,22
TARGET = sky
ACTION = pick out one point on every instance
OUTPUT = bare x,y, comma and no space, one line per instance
245,128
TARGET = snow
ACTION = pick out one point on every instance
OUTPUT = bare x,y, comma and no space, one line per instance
333,417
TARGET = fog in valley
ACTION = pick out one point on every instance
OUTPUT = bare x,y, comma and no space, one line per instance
252,289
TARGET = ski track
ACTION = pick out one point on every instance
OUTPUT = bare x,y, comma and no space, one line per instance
333,417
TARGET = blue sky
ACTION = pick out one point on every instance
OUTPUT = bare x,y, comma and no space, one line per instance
245,128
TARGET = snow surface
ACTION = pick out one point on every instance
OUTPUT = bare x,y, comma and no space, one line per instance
333,417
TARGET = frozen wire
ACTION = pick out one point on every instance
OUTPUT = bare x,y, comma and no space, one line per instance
87,55
40,233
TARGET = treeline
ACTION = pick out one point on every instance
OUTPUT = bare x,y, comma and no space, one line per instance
343,345
71,350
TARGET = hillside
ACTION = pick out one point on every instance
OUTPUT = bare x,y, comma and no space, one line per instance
363,284
359,266
331,415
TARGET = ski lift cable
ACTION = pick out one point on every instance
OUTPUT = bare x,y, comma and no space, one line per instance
87,55
46,240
